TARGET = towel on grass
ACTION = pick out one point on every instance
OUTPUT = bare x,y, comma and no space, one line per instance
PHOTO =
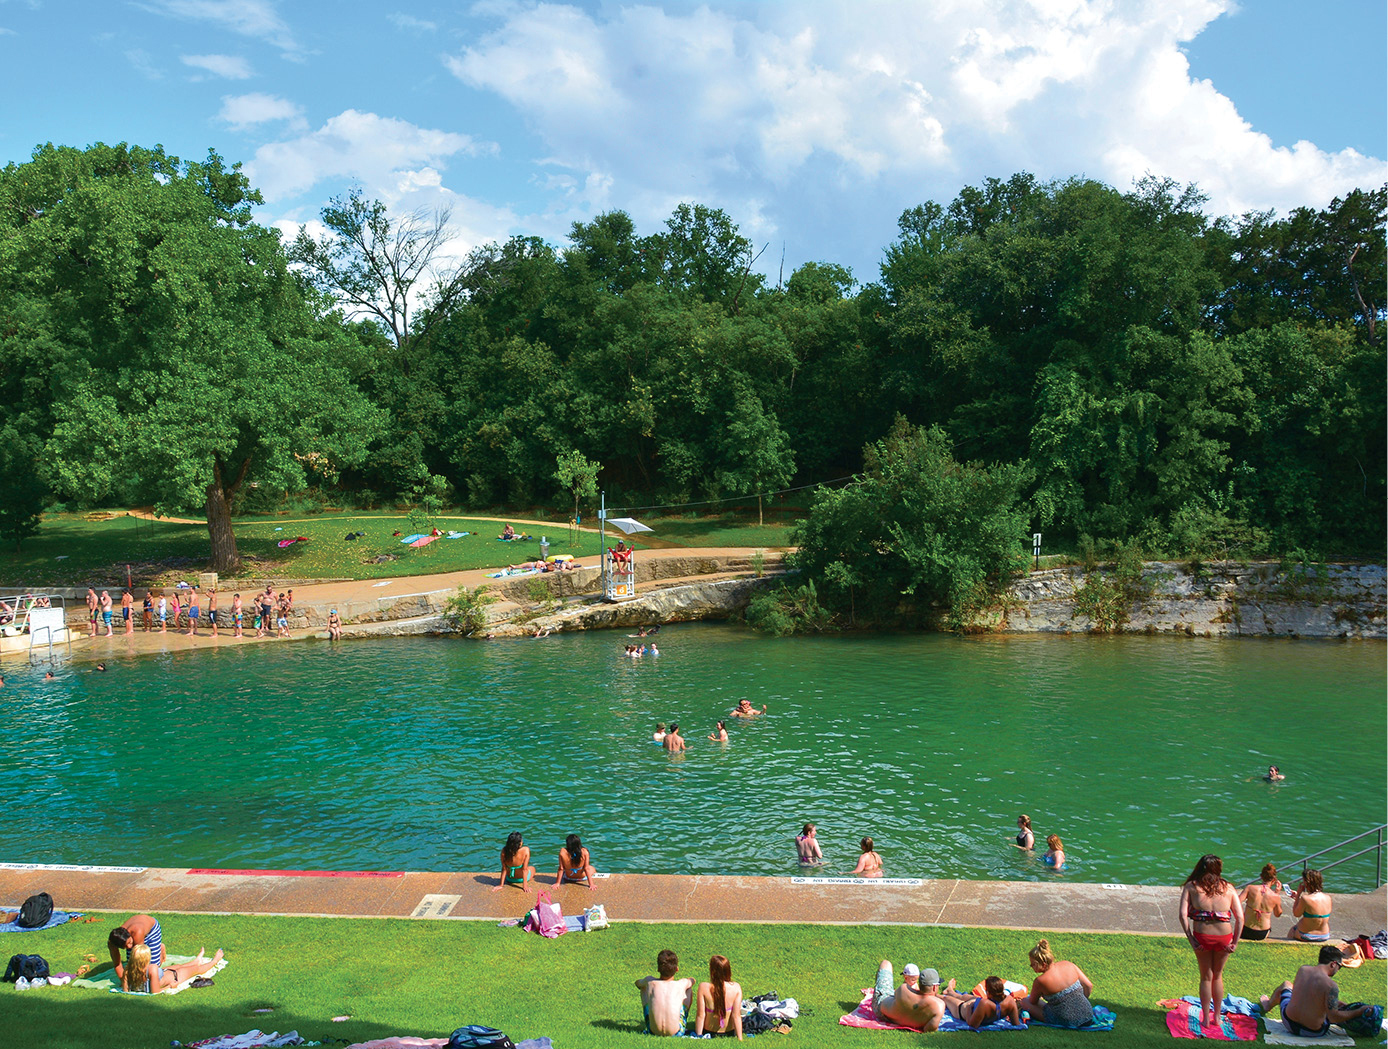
401,1042
256,1039
1103,1021
864,1017
949,1023
1279,1035
57,918
411,539
1183,1021
1232,1004
104,977
424,540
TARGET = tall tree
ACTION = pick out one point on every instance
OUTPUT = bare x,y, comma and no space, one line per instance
184,362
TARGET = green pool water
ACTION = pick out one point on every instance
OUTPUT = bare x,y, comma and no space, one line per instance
1142,753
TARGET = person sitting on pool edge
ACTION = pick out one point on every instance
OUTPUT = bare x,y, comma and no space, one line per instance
575,864
920,1007
515,863
665,1000
997,1005
1311,909
1311,1003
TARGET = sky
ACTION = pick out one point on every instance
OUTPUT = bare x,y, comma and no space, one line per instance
813,124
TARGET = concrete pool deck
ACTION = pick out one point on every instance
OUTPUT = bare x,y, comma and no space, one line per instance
1053,905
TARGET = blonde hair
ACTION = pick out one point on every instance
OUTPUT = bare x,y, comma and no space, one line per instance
137,969
1053,842
1041,955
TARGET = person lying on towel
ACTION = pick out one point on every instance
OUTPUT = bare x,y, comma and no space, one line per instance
918,1007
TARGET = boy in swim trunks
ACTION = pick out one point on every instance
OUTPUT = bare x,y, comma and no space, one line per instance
1311,1003
665,999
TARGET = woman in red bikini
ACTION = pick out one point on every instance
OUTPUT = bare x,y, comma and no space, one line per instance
1212,918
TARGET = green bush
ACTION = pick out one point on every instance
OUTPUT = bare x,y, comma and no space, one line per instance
1107,599
466,611
789,610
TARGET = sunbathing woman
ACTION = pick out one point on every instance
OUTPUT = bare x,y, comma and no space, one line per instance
137,930
869,863
574,863
1311,909
1064,988
998,1005
141,975
1262,902
720,1001
515,864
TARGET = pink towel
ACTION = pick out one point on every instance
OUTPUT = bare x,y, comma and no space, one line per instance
1184,1022
425,540
864,1017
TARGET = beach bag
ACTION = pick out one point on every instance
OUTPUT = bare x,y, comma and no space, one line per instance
595,917
25,967
1366,1023
479,1036
36,911
547,919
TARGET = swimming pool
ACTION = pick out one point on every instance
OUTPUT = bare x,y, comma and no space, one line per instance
422,754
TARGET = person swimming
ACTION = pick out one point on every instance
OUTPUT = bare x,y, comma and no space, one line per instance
808,847
1055,855
1274,774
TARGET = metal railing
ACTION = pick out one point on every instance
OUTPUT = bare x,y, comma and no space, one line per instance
1380,834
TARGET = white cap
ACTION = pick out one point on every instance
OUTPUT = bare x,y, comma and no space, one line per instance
911,970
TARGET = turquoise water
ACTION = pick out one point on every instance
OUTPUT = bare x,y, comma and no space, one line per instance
1142,753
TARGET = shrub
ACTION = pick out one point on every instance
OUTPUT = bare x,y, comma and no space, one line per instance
789,610
466,611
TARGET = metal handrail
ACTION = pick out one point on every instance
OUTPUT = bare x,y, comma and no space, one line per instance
1381,831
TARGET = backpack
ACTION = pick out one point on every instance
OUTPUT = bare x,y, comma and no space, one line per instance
25,966
1367,1022
546,918
478,1036
36,911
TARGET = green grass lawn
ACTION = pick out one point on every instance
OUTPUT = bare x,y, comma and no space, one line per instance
428,977
72,551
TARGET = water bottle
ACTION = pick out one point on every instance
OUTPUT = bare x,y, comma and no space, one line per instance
544,548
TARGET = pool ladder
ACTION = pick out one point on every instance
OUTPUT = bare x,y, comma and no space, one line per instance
1380,834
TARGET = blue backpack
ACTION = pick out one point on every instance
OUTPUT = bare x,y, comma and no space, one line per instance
478,1036
28,966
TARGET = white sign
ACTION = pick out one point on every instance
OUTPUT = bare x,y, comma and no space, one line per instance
70,867
857,881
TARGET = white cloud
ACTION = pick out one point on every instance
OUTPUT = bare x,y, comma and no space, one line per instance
410,22
253,18
144,63
229,67
819,112
376,151
246,111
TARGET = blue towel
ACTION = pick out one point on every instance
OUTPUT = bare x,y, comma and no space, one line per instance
412,538
1232,1004
1103,1021
58,918
949,1023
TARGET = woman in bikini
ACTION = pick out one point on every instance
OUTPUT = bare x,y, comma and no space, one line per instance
869,863
720,1001
974,1011
574,863
515,864
808,846
1212,918
1312,910
1025,838
143,976
1262,902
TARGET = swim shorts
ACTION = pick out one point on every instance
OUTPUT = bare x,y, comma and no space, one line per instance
1295,1028
106,617
212,616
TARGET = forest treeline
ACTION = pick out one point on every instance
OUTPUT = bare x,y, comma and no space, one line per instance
1103,366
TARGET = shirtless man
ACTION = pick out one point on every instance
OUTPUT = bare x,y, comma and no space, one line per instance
974,1011
674,742
93,603
920,1008
106,611
664,999
1311,1003
212,609
127,605
236,615
744,709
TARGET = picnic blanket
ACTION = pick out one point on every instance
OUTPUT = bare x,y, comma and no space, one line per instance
1183,1021
410,540
401,1042
57,918
507,573
424,540
1103,1021
104,977
949,1023
1279,1035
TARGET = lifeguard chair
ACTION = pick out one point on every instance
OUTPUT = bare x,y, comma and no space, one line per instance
618,565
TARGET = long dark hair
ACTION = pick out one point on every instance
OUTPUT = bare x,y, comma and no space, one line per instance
1208,875
720,972
574,845
513,845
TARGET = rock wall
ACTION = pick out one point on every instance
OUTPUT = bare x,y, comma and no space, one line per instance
1217,599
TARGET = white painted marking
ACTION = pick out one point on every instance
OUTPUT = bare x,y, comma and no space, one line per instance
70,867
386,583
857,881
434,905
1111,885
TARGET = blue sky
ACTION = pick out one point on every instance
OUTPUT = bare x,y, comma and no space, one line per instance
813,124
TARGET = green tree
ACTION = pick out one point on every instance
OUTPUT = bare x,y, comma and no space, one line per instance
184,362
578,475
756,453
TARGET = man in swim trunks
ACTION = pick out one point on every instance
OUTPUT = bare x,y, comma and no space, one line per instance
106,610
665,999
1311,1003
919,1008
127,604
212,609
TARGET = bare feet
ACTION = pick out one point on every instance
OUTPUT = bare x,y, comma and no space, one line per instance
1265,1004
950,986
217,957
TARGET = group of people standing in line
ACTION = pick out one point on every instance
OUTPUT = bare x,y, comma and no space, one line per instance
270,613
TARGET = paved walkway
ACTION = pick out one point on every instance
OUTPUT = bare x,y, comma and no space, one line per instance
1051,905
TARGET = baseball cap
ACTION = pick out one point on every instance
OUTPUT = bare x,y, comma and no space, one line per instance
911,970
929,977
